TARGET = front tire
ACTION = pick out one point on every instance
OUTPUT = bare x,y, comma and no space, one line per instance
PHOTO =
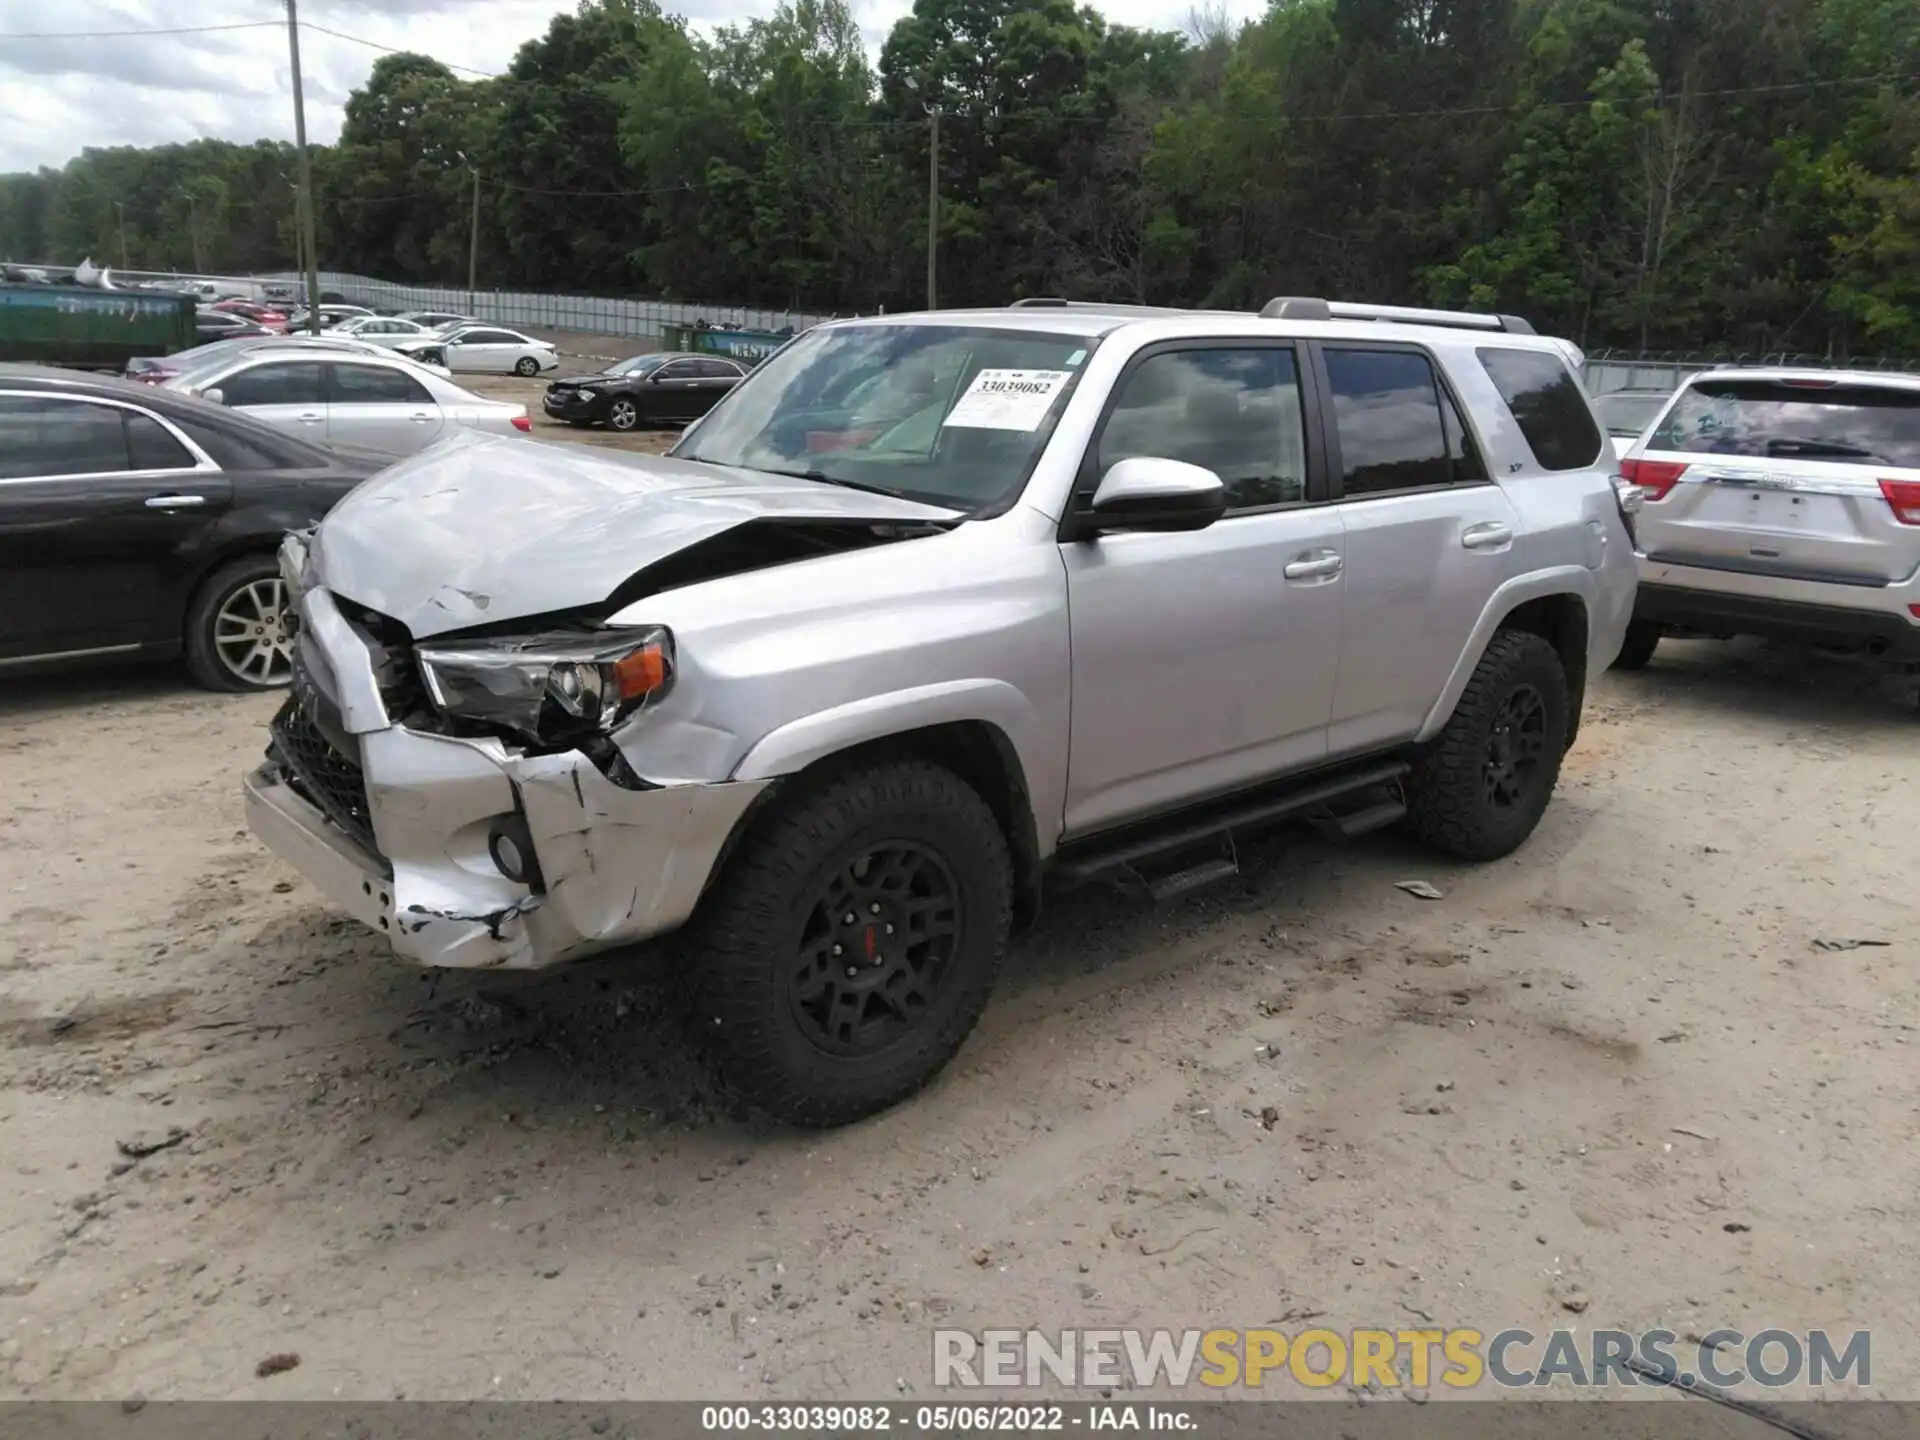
238,631
1478,791
526,365
1643,638
623,414
850,945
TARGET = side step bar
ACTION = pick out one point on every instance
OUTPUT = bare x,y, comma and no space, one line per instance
1248,814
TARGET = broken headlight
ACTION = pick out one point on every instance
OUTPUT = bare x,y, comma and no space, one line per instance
550,688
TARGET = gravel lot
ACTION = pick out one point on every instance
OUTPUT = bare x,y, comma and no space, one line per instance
1609,1081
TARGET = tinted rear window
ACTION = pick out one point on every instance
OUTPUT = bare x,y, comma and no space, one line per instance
1548,405
1848,424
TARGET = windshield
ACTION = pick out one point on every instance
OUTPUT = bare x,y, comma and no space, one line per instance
946,414
638,365
1803,420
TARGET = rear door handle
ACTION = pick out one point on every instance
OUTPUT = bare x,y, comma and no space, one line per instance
1314,565
175,502
1488,536
310,417
421,417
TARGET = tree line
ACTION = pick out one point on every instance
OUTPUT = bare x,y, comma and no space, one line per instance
1741,175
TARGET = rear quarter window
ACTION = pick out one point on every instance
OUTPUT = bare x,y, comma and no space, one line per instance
1547,404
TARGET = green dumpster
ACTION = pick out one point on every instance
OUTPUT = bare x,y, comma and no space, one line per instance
748,346
93,329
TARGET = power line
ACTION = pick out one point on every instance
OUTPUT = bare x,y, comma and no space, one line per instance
118,34
390,50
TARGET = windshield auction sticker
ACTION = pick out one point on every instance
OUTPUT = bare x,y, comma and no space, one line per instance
1008,399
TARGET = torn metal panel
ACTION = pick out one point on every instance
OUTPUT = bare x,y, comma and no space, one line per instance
622,865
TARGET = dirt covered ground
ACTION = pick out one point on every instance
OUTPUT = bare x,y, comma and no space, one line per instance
1610,1081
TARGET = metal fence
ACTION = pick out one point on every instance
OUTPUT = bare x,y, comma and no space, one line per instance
522,309
1609,370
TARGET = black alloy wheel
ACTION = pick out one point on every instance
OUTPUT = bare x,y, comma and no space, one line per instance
876,948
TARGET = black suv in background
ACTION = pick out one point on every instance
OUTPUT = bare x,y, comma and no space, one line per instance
135,521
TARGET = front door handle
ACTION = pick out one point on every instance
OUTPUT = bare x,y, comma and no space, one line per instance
1488,536
175,502
1314,565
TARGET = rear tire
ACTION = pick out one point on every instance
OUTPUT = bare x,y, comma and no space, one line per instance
1643,638
809,1011
1478,791
237,634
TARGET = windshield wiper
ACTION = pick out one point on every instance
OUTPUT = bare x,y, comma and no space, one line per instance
1839,449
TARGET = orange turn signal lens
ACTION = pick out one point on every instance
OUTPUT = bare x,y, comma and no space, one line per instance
642,672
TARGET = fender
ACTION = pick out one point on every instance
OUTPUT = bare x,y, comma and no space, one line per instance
799,743
1575,580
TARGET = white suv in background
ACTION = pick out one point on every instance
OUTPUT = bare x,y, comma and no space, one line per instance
1781,503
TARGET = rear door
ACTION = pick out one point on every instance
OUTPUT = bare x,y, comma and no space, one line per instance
1784,478
98,504
290,394
380,407
1429,536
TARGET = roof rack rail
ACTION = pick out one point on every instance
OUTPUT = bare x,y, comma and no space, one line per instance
1308,307
1036,301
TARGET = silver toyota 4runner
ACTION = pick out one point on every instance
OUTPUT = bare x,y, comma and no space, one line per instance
1781,503
929,607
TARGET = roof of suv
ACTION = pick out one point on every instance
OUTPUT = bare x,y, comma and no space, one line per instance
1298,317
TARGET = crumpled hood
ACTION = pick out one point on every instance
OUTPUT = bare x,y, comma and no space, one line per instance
482,528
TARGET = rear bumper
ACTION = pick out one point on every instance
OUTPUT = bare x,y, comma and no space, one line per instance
1876,619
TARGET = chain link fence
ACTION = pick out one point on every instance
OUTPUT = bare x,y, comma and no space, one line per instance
527,310
1607,371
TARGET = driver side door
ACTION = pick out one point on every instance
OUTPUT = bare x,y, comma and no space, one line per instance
1205,661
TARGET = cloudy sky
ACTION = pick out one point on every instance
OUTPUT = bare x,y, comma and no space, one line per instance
65,86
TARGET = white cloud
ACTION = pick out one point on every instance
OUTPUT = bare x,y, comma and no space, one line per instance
60,96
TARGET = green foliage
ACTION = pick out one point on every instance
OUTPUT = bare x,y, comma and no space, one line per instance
1685,174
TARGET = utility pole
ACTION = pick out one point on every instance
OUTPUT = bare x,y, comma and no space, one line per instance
125,264
933,204
312,265
473,241
193,225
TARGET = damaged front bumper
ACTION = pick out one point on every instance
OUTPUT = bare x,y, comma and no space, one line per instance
613,865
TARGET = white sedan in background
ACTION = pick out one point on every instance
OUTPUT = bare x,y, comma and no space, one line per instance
483,349
375,402
386,331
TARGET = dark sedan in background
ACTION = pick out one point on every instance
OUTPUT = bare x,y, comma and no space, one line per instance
648,390
137,521
211,325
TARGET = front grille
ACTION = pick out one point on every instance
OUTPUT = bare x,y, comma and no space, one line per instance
390,651
332,781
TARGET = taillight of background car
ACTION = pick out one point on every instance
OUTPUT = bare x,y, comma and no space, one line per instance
1653,477
1904,497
